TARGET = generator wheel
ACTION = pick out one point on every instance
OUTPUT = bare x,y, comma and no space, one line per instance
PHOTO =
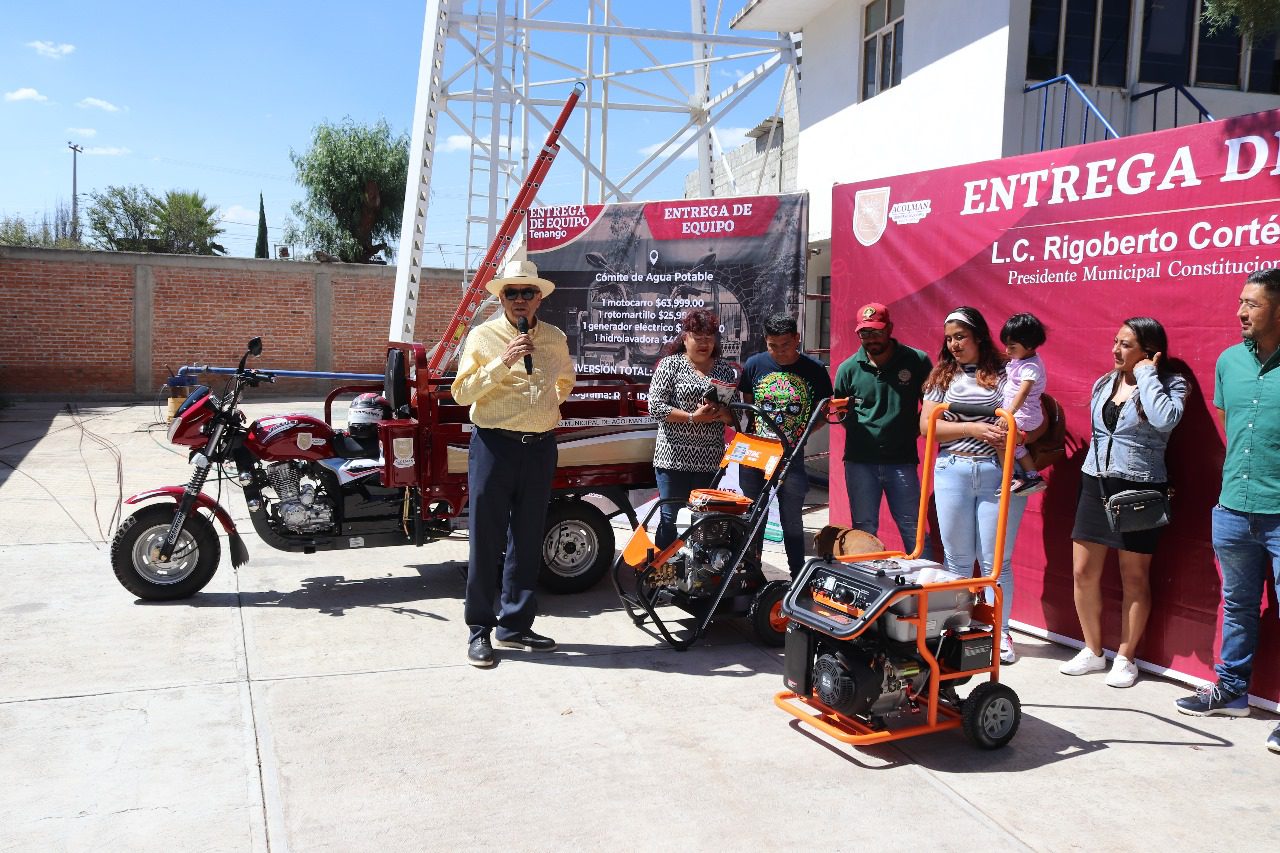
767,619
194,560
577,548
991,715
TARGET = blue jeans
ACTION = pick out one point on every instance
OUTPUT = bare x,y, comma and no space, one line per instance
675,484
1244,543
790,508
900,484
965,494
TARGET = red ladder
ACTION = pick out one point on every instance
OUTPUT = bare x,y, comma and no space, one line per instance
445,351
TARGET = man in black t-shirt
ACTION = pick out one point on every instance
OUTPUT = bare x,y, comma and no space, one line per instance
786,384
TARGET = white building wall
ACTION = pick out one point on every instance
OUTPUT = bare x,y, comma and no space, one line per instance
949,108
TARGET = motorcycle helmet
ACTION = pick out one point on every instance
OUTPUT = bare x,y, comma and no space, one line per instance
365,412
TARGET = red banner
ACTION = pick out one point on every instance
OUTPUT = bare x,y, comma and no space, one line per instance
1163,224
702,218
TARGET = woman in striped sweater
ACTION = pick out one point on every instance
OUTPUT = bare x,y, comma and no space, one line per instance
967,473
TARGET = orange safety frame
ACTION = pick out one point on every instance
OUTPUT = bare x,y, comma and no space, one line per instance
808,709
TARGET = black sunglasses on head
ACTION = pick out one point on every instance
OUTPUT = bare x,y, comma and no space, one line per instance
526,293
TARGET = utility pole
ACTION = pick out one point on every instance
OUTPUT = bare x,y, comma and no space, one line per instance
75,211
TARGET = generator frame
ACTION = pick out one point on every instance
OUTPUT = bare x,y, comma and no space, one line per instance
985,713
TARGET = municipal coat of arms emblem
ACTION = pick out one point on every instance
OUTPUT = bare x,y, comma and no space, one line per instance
870,214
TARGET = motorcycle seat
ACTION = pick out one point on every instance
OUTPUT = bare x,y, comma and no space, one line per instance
346,446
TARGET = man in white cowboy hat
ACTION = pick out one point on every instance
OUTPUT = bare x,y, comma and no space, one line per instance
514,381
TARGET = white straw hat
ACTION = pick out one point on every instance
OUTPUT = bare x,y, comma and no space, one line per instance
520,273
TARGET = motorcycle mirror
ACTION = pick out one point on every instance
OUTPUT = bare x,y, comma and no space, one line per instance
255,346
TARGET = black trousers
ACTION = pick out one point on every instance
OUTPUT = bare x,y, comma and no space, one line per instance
509,486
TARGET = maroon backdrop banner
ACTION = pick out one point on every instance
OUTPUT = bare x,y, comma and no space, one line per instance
1164,224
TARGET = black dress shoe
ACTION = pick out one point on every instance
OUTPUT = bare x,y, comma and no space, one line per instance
480,652
528,641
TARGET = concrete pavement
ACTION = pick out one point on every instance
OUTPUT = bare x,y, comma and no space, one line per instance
324,703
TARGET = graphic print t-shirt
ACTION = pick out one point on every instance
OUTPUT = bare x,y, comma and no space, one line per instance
787,392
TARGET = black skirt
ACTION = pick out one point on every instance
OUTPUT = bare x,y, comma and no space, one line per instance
1091,516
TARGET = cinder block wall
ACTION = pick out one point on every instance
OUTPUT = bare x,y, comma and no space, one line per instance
89,323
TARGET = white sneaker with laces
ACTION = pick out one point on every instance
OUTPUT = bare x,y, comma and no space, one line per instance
1084,663
1124,672
1007,654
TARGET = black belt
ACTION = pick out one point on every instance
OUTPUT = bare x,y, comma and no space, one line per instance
522,437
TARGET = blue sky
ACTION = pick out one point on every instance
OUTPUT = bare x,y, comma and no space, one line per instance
212,97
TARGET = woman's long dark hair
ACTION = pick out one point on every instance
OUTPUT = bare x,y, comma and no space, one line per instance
696,321
1152,339
990,362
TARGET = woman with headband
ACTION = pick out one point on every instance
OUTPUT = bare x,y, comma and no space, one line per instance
967,473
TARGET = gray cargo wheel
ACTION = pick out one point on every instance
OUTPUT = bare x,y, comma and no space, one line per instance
577,549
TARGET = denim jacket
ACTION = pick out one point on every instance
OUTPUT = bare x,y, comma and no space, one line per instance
1137,446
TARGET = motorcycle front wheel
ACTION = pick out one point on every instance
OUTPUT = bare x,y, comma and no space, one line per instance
195,557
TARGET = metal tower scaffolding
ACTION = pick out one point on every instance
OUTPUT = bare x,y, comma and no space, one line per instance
508,69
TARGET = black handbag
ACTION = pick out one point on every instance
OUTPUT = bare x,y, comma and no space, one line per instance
1131,510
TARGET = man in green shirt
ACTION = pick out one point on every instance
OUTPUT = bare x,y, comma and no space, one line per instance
882,381
1246,521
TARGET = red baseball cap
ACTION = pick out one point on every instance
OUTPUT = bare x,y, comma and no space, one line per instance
872,316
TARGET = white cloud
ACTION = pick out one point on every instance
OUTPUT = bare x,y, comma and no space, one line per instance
454,142
24,94
99,104
107,151
730,138
240,214
83,131
50,50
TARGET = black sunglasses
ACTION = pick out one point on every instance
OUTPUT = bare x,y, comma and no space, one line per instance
526,294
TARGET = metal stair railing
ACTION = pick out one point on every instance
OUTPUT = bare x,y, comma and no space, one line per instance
1069,86
1178,89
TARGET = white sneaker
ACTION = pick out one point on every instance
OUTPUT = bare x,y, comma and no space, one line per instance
1084,663
1007,654
1124,672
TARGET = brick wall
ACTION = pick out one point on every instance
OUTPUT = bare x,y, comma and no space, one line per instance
88,323
71,324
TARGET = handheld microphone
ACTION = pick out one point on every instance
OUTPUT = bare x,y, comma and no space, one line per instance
522,323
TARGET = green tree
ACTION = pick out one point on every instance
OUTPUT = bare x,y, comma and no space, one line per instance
120,218
354,178
1253,18
186,224
260,247
52,233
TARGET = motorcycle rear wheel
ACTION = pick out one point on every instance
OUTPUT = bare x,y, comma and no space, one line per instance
192,566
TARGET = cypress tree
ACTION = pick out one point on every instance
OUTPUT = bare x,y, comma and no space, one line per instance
260,249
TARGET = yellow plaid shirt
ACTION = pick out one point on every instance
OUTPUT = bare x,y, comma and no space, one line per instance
504,397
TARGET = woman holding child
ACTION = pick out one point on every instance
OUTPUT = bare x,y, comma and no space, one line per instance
1133,410
968,472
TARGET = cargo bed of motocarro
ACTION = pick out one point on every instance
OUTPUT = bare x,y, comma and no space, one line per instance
605,439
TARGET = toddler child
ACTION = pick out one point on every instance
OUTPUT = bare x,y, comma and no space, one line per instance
1025,381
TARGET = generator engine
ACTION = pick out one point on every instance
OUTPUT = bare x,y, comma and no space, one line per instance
853,682
850,642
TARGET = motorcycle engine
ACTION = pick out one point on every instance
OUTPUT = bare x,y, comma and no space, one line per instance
859,684
302,508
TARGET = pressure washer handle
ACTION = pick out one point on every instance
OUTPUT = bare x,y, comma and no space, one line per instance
765,418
